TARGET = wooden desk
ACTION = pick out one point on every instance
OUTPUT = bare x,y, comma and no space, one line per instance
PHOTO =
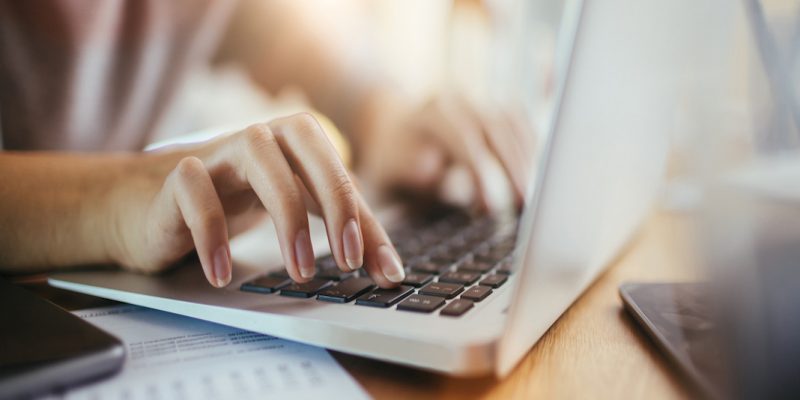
593,351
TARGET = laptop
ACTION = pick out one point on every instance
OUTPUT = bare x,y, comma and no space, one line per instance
480,291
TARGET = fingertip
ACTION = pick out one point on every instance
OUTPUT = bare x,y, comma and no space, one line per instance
378,251
353,245
385,284
222,266
390,264
307,275
379,278
292,268
294,274
299,279
304,255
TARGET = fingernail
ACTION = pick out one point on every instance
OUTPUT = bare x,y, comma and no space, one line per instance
304,254
353,246
222,266
390,264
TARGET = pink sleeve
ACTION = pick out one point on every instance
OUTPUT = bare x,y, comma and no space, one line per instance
96,75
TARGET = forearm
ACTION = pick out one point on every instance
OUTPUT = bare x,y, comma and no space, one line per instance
280,44
54,209
353,95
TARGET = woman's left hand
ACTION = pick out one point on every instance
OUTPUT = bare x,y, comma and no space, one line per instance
422,148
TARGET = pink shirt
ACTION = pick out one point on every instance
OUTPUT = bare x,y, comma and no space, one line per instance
97,74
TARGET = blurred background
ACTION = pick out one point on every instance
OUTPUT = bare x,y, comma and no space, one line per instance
422,46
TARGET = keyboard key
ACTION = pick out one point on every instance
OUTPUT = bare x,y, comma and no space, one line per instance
430,267
265,284
500,252
445,260
441,289
413,245
475,234
475,266
503,247
346,291
444,255
495,252
505,267
361,273
417,279
459,244
384,297
461,250
457,307
483,250
281,273
420,303
464,278
487,257
334,274
406,253
305,290
477,293
326,262
495,280
410,248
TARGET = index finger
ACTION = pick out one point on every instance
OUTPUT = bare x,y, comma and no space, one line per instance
354,234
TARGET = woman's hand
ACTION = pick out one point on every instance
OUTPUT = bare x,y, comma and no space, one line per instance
419,148
176,201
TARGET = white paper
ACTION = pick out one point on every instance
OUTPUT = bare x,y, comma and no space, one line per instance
175,357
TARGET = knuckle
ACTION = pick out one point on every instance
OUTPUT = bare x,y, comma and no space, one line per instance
185,172
304,118
189,167
207,220
305,124
341,187
258,137
290,198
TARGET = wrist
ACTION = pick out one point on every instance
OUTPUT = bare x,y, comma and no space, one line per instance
119,206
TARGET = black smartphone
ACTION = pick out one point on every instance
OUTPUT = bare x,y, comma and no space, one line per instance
678,317
44,348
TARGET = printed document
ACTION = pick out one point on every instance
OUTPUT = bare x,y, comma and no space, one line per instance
175,357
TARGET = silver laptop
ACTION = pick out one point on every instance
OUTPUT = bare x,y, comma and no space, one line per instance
481,290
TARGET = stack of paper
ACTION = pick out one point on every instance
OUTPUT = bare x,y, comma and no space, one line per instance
175,357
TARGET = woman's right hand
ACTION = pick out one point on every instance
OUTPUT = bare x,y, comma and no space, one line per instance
175,201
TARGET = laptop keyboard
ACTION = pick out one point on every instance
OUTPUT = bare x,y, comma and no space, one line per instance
452,263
